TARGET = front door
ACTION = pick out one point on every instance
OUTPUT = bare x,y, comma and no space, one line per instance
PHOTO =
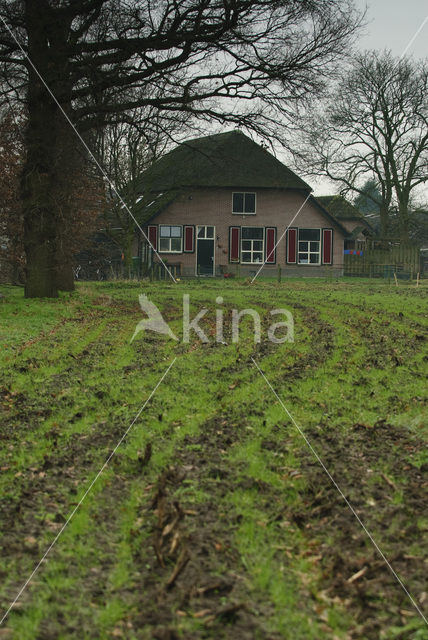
205,250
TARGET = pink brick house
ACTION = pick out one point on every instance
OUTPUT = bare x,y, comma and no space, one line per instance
219,204
358,227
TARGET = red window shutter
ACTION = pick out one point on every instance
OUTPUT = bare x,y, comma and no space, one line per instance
270,245
189,238
327,246
153,235
292,246
234,238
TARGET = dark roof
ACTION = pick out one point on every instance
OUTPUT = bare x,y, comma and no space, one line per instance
328,215
149,205
356,231
228,159
340,208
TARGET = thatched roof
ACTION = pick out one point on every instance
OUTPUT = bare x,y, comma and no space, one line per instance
228,159
340,208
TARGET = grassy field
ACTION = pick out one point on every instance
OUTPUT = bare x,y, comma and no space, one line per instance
213,519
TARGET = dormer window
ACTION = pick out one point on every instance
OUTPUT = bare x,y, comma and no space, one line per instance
244,203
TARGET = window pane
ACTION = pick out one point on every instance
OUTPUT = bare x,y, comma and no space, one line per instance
303,246
165,231
246,257
257,245
257,257
238,203
250,203
246,245
309,234
314,246
176,232
313,258
252,233
164,244
175,244
303,258
210,232
201,232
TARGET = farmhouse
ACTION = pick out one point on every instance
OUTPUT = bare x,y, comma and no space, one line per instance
357,226
219,204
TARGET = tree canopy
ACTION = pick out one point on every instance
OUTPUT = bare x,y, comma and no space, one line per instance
373,126
101,62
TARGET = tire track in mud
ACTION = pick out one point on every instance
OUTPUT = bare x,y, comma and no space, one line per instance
55,477
221,614
353,572
202,531
196,571
195,560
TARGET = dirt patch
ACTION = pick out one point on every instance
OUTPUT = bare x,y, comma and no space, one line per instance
390,500
48,487
197,573
321,346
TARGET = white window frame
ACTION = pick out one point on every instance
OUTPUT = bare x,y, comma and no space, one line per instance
245,213
205,227
252,250
309,250
178,226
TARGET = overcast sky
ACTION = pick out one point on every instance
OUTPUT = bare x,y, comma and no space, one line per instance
391,24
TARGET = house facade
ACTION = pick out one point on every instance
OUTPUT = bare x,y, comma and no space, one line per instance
223,205
358,227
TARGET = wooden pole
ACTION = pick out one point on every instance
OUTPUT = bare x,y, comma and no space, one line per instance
279,273
395,278
417,279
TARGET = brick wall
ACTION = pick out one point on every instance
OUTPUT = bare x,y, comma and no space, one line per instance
274,207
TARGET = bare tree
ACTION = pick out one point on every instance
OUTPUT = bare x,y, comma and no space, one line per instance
11,160
374,125
125,150
242,61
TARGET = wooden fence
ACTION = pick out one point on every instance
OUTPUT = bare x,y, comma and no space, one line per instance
383,262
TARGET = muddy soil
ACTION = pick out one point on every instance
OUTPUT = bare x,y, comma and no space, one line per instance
353,570
197,570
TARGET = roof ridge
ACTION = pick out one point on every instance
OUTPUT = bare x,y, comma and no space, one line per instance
230,158
213,135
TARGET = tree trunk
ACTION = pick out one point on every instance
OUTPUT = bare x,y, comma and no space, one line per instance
38,210
127,253
45,144
64,273
403,215
384,220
